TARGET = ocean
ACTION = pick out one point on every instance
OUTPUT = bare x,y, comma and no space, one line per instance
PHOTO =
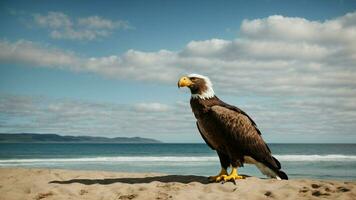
317,161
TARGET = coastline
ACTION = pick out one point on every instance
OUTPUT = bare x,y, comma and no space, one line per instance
21,183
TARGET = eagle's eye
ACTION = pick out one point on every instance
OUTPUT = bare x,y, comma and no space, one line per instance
193,78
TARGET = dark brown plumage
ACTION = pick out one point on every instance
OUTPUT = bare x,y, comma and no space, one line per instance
230,131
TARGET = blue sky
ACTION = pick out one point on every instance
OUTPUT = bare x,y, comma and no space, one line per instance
110,68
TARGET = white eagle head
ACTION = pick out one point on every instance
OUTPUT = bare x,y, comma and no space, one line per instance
200,86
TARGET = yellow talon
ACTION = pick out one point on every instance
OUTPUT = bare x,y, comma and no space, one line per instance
232,176
218,177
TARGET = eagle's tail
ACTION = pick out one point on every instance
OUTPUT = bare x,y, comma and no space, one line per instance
278,171
282,175
272,170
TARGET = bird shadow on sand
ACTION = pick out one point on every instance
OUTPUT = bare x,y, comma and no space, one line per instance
163,179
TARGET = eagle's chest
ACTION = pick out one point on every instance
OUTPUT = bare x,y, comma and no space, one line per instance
211,132
209,128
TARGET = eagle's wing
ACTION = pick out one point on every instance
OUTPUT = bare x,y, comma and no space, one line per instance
202,135
239,127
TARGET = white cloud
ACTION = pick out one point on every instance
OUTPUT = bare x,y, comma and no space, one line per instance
96,22
53,20
330,32
151,107
61,26
206,48
31,53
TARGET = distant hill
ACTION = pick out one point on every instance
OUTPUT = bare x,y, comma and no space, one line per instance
54,138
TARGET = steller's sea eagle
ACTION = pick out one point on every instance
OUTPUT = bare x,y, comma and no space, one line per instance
230,131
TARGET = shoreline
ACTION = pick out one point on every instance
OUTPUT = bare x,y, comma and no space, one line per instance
37,183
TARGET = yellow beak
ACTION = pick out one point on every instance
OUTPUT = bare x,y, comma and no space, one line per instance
184,82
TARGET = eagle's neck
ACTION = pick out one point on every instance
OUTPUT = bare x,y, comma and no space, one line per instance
208,93
202,106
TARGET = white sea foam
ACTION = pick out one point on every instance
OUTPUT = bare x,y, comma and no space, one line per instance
296,158
118,159
330,157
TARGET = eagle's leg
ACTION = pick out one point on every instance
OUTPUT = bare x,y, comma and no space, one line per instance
232,176
225,163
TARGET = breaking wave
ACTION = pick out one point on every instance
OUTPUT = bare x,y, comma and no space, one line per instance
294,158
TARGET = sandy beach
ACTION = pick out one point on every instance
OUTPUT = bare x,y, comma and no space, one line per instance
19,183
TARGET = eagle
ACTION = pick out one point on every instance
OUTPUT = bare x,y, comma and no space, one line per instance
229,131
